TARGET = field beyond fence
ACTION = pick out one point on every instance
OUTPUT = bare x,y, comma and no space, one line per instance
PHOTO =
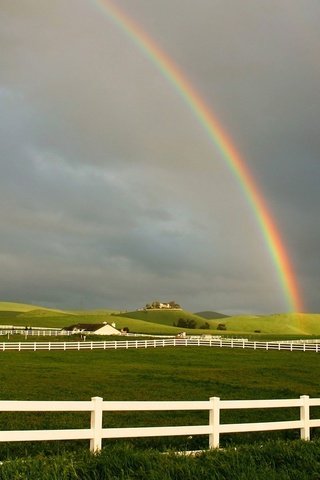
155,375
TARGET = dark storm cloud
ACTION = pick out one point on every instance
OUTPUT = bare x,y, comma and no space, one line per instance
112,194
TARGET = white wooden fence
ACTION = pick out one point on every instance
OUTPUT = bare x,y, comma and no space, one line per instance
213,428
162,342
36,332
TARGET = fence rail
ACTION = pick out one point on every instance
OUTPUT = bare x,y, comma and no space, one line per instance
162,342
96,433
35,332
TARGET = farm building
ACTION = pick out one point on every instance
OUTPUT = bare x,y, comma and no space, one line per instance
93,329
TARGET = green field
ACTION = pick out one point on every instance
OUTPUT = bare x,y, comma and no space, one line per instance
164,373
194,373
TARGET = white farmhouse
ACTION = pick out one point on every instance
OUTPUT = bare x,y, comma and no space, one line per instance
93,329
165,305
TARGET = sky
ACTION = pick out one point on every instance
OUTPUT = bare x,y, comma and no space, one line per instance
112,195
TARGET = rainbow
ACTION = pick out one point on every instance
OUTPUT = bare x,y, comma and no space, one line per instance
220,139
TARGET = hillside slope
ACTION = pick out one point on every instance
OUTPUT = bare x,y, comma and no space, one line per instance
284,324
164,317
23,307
21,314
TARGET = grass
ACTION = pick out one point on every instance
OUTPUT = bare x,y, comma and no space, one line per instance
192,373
275,461
284,324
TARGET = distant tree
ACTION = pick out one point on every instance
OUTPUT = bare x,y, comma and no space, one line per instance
173,304
205,326
191,323
222,326
181,323
186,323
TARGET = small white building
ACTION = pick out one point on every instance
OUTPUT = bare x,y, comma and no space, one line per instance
93,329
165,305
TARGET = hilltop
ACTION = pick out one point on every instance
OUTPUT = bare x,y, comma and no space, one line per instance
209,315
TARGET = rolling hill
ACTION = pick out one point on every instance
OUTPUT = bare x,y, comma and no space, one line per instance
163,321
22,314
22,307
163,317
282,324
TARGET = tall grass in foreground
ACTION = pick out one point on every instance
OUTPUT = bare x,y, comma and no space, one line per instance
277,460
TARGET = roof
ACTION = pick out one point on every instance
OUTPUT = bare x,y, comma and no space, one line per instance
88,327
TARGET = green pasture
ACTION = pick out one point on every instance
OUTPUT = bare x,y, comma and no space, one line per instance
192,373
169,373
283,324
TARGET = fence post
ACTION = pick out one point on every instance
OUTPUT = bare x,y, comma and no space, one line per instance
96,424
214,422
305,418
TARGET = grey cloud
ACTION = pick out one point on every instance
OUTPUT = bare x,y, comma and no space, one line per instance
112,193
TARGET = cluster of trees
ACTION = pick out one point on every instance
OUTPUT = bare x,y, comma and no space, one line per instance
221,326
190,323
